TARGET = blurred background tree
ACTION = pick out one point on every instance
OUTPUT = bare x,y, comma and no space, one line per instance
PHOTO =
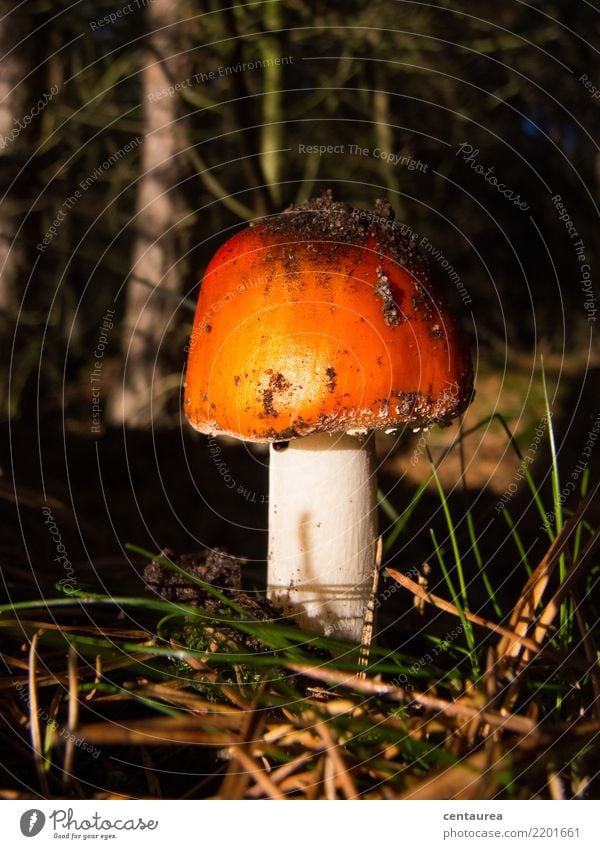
251,86
175,124
16,101
161,223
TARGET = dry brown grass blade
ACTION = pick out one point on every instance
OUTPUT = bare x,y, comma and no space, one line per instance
15,794
98,670
367,631
307,783
459,708
448,607
546,618
235,781
282,773
339,770
73,715
523,614
160,731
172,693
49,679
245,759
555,786
235,784
34,714
92,630
329,776
28,497
574,573
17,662
287,735
115,797
312,781
464,780
590,654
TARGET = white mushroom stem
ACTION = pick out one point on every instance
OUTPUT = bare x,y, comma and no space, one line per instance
323,531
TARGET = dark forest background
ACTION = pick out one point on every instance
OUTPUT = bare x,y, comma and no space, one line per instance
137,137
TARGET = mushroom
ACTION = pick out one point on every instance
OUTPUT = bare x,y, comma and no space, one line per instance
315,327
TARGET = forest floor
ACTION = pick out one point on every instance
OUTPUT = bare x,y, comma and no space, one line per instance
481,682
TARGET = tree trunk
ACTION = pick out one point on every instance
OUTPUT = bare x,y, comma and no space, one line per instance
14,120
161,239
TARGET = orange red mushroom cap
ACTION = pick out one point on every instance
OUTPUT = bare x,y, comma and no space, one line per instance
322,318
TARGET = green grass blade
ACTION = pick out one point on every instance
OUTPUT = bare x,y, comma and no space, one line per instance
565,607
585,479
469,636
527,475
402,519
517,540
453,540
482,570
558,514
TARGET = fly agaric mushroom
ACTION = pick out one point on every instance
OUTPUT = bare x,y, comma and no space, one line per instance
313,328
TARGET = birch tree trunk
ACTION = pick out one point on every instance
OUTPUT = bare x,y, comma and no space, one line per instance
161,237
